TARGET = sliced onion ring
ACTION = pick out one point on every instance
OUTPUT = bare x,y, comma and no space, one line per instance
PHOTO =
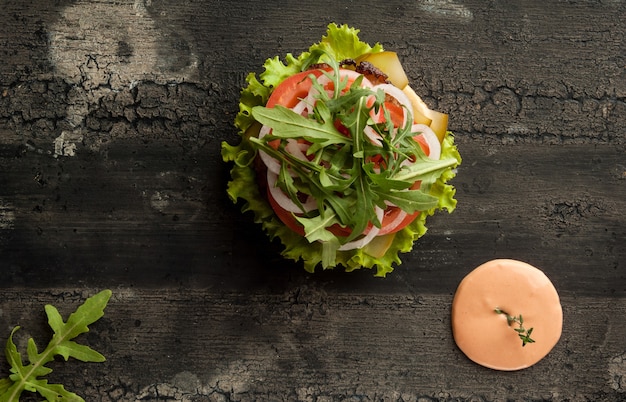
397,221
399,96
283,200
272,164
363,241
374,137
297,149
301,106
431,139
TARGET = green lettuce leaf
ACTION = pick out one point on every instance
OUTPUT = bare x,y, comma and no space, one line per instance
340,42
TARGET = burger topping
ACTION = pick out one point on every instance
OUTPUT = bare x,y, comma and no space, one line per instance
337,167
344,157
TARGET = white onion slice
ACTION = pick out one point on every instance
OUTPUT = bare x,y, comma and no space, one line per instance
313,94
431,139
283,200
374,137
310,100
399,95
323,80
296,149
363,241
397,221
272,164
301,107
265,130
351,75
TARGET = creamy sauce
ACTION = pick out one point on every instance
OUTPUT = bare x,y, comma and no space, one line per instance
516,288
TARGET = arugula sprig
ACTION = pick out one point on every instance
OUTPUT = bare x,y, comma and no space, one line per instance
341,174
27,377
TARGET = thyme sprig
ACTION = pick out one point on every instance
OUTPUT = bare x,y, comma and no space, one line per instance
523,333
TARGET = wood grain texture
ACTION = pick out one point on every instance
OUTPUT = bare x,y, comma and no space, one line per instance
311,343
111,118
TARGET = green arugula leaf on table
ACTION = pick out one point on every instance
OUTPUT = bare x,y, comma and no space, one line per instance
27,377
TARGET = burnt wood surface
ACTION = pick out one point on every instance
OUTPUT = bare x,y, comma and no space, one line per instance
111,119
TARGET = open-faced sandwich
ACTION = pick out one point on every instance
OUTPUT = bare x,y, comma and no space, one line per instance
339,158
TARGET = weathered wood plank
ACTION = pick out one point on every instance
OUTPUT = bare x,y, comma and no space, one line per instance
166,216
307,343
111,116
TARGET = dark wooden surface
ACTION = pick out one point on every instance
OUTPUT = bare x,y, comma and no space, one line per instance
137,97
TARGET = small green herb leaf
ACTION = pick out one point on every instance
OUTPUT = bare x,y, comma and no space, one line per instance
315,228
27,377
410,200
5,384
80,352
427,169
523,333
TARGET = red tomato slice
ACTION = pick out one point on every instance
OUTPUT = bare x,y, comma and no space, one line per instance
423,144
285,216
391,214
290,221
289,92
396,112
292,89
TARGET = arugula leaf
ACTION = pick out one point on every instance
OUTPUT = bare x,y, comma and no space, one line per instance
410,201
286,123
27,377
315,228
428,171
287,185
